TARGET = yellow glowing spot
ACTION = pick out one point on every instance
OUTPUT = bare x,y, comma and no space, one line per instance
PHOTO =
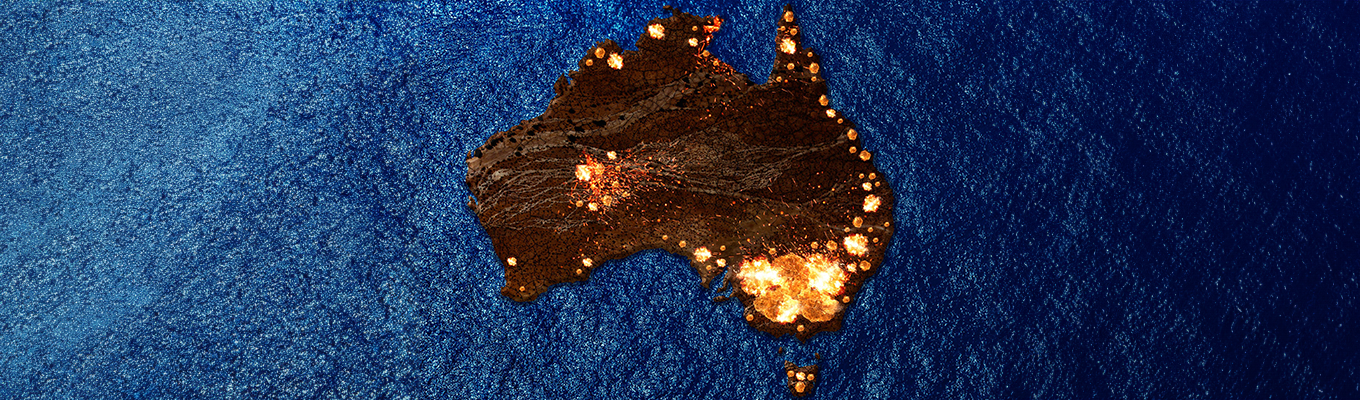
831,245
722,248
800,329
853,149
778,79
787,46
793,31
512,261
823,100
871,229
811,378
809,54
750,317
887,224
873,175
590,62
706,54
587,262
599,52
593,207
521,288
877,184
665,237
612,155
656,31
852,134
615,61
702,254
830,113
864,155
722,262
693,42
814,245
801,376
814,68
608,201
845,299
579,271
867,186
814,79
861,176
840,120
864,266
871,203
800,387
790,66
682,244
857,222
857,245
583,172
850,267
758,277
580,203
788,16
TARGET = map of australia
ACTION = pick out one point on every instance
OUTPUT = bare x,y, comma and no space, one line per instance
765,188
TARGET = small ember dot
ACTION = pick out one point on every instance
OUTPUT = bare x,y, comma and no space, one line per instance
750,317
722,248
665,237
873,175
790,66
864,155
590,62
823,100
809,54
580,203
840,120
845,299
800,387
861,176
694,28
682,243
858,222
814,68
521,288
511,261
788,16
789,373
599,52
887,224
706,53
579,271
877,184
851,134
793,31
853,149
801,328
814,245
811,377
864,265
871,229
831,245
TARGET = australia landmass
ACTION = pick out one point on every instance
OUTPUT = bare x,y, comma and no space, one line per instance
666,147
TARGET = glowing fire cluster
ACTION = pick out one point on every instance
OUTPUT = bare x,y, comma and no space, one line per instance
795,284
601,184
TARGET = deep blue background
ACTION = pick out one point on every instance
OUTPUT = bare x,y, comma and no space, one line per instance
1095,200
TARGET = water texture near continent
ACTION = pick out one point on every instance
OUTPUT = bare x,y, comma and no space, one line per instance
1093,200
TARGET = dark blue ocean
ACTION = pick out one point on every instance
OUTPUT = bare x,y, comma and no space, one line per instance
1095,199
